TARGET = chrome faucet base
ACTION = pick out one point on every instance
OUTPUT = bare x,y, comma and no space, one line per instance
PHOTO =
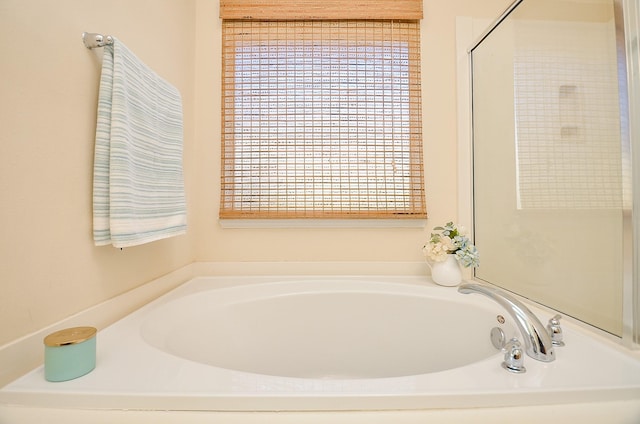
520,370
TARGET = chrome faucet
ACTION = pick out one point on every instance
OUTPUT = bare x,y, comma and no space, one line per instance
537,341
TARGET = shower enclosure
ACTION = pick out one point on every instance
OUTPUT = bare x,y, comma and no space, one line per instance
553,82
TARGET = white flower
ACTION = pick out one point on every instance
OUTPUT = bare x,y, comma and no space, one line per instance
451,239
448,244
437,252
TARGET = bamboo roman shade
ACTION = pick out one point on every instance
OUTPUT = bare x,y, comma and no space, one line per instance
320,118
321,9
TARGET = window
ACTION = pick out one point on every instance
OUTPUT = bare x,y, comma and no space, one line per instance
321,119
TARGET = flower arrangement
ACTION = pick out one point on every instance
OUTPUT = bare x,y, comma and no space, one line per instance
451,239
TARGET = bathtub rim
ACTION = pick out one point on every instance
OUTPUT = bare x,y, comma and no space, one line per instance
24,354
315,402
224,404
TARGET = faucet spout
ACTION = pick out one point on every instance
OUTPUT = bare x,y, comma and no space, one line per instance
537,341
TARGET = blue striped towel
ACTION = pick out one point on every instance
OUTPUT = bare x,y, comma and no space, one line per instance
138,184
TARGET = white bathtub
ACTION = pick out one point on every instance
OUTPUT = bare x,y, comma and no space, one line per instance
330,343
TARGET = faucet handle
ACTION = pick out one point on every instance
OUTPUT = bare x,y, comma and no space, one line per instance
514,357
555,331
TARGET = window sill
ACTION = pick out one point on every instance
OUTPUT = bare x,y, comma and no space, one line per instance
322,223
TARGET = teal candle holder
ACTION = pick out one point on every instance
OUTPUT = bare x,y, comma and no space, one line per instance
69,353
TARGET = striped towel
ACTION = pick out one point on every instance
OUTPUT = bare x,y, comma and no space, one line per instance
138,186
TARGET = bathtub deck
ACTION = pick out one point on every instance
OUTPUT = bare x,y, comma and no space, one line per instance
131,374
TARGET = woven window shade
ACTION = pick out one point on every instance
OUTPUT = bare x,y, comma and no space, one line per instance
321,9
321,119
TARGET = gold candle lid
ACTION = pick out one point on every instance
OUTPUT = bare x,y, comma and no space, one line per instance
70,336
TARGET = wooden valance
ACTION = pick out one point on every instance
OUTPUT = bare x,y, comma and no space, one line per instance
321,9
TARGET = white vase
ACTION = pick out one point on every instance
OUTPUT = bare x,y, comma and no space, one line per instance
446,273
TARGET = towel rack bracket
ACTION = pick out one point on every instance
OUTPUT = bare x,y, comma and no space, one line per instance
92,40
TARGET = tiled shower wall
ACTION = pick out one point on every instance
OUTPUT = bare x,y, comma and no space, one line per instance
568,141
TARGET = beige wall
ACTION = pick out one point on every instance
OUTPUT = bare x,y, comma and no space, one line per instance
439,129
48,89
49,266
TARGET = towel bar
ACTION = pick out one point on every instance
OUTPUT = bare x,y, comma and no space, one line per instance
92,40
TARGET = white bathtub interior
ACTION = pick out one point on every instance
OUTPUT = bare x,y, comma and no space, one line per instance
323,329
327,343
